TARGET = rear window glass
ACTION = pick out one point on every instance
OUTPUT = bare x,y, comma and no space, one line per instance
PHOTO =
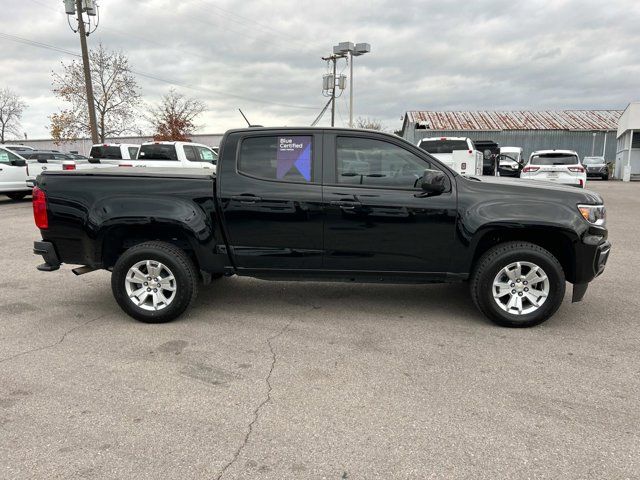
133,152
593,161
443,146
283,158
554,159
105,152
157,151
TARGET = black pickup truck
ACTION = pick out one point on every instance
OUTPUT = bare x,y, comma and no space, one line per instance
322,204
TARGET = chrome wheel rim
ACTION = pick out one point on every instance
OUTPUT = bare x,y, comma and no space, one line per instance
150,285
520,288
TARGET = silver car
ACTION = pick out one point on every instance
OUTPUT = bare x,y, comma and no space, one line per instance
596,167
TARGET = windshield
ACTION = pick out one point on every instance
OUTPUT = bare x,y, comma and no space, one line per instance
443,146
104,151
157,151
554,159
593,161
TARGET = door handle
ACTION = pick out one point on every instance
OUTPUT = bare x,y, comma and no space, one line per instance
246,198
345,204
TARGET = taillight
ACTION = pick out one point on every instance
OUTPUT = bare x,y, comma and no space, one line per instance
529,168
68,166
577,169
40,208
125,165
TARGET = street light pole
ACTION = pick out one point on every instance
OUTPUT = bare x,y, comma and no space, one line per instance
350,89
356,50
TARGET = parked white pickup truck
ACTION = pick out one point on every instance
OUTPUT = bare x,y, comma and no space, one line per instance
458,153
39,161
13,175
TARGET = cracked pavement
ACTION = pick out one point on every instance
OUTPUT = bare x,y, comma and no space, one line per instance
284,380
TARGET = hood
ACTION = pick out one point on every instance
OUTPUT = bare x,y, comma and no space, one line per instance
533,187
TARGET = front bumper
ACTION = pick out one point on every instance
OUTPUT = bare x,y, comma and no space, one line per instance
599,264
48,252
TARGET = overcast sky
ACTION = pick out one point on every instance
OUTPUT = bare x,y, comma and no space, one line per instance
429,55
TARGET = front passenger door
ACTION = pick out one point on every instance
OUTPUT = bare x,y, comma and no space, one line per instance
378,219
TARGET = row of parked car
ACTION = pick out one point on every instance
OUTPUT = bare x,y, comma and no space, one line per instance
21,164
559,166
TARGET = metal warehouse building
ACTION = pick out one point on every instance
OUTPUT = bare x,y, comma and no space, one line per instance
584,131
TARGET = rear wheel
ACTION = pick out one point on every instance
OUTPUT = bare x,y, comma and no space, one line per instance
154,282
518,284
17,195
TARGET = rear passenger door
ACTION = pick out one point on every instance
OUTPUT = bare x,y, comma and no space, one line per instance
271,198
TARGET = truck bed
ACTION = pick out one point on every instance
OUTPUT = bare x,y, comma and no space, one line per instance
173,172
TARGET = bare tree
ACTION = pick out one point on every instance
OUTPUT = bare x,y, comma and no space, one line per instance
370,124
116,95
174,118
11,108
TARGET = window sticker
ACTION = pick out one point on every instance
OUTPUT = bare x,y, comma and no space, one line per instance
294,152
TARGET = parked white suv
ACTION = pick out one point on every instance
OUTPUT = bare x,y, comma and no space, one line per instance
114,151
458,153
559,166
174,154
13,174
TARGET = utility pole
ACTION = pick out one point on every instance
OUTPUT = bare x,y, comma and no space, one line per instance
331,82
78,7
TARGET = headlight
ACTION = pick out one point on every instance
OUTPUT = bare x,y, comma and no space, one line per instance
594,214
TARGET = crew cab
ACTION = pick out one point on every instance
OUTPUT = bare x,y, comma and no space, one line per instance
458,153
322,204
559,166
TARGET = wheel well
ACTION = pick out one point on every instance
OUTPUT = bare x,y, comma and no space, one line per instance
555,241
117,240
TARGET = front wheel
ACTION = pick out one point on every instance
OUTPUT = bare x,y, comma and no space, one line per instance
518,284
154,282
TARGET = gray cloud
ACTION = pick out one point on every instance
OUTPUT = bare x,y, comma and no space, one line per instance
491,54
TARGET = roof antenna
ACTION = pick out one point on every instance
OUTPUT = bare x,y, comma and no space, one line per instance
246,120
245,117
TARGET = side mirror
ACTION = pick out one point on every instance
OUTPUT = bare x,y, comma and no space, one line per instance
433,182
19,162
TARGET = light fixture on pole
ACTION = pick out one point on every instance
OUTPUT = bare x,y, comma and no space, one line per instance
356,50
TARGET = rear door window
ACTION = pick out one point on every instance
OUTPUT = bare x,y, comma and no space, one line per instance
283,158
191,153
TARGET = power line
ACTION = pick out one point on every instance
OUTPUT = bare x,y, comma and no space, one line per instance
34,43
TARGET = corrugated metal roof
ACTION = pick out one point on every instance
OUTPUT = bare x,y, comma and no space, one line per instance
519,120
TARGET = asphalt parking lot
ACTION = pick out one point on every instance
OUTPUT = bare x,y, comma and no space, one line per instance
276,380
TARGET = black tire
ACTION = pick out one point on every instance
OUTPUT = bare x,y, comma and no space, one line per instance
180,265
17,195
497,258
